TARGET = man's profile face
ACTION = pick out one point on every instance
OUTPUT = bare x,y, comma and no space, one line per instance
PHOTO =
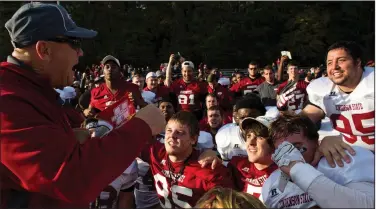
62,58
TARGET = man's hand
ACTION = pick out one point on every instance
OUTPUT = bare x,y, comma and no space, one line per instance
137,100
286,155
154,117
172,59
98,128
89,113
333,148
284,58
209,157
285,97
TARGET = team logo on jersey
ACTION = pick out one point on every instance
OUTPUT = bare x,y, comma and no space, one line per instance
105,97
163,162
332,93
219,93
236,146
273,193
245,169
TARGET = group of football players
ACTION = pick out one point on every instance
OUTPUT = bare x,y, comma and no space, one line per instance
279,154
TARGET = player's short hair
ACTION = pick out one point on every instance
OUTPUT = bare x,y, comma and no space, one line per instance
187,119
211,95
268,67
216,108
350,47
251,101
292,63
291,123
258,129
253,63
219,197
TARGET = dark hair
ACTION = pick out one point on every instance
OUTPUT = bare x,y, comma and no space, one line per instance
211,95
171,98
258,129
253,63
251,101
216,108
188,119
292,63
350,47
289,123
268,67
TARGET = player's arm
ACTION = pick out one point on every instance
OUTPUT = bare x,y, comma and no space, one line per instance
327,193
280,68
168,80
314,113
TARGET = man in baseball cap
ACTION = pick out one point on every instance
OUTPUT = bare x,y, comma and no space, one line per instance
41,156
258,163
152,85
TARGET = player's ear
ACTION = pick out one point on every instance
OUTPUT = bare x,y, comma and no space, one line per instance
194,140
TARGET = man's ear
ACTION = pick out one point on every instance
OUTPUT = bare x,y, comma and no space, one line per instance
43,50
195,140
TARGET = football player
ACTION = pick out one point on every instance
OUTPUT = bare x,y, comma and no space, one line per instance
113,89
153,86
229,139
191,93
350,186
346,96
179,179
250,83
291,94
249,173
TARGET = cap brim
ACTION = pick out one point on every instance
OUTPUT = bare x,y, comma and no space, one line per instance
81,33
248,121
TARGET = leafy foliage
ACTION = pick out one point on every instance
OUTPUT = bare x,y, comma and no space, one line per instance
225,34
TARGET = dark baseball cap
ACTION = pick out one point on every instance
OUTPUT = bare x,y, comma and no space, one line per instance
37,21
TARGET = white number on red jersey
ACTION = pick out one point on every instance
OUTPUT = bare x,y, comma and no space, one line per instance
175,190
255,191
184,99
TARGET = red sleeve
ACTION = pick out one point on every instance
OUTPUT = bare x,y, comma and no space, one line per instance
236,178
75,118
236,87
45,157
93,93
222,178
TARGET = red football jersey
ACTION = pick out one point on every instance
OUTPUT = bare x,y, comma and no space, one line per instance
247,177
189,94
102,97
190,186
247,85
300,97
224,97
161,92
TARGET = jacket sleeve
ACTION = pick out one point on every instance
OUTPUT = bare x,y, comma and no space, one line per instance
45,157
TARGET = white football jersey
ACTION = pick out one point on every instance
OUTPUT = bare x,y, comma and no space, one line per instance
360,169
351,114
230,143
108,197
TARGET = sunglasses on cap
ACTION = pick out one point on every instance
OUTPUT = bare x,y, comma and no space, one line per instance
75,43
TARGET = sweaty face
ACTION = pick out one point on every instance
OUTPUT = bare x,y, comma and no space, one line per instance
300,142
252,70
178,140
258,149
211,101
62,58
111,71
269,75
214,118
152,82
341,67
187,73
167,109
293,72
246,112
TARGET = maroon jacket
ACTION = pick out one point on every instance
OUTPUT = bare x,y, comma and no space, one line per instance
42,163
